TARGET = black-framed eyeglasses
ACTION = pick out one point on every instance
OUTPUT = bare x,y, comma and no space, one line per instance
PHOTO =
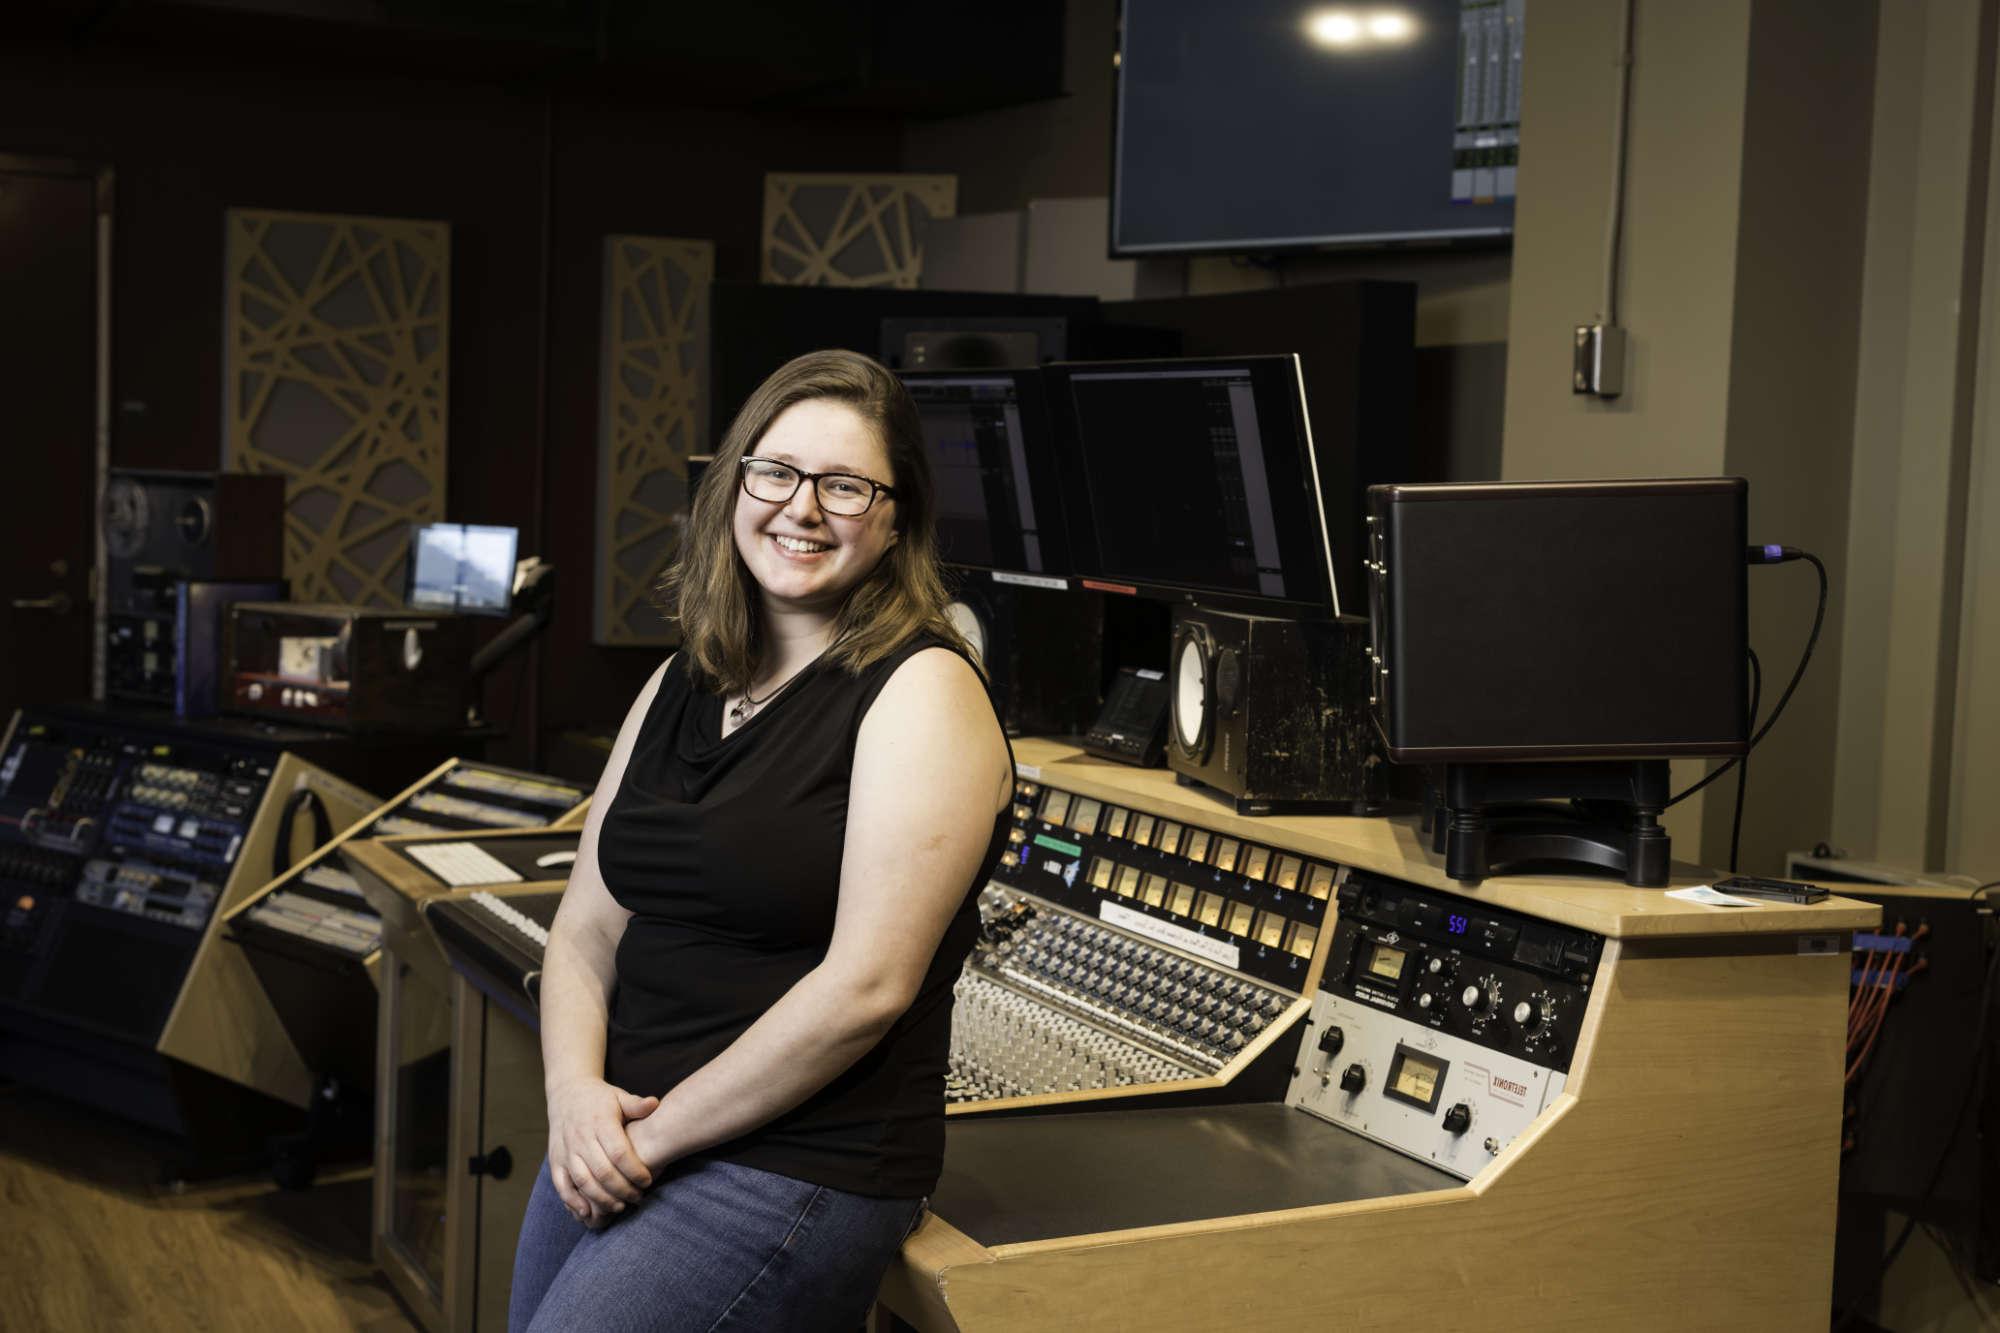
840,493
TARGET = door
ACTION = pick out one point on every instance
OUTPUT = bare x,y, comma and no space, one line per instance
50,394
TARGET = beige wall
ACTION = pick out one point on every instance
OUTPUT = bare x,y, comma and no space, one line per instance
1915,778
1740,282
1685,141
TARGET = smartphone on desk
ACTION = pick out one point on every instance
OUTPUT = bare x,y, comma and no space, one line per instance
1777,890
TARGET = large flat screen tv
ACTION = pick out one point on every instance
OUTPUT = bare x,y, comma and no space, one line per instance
1267,125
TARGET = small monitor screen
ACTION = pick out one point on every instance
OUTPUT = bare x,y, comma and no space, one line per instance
461,567
1198,476
998,504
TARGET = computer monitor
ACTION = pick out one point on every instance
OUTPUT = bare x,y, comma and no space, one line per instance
1196,478
461,567
999,495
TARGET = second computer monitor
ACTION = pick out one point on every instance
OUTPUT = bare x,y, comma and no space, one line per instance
1196,477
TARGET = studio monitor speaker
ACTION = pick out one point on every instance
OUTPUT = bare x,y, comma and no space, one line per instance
1271,714
164,526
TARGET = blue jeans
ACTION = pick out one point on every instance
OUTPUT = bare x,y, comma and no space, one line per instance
711,1246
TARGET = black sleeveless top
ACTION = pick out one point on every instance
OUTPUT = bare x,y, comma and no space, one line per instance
727,850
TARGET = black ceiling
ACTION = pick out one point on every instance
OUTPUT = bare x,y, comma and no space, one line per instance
887,56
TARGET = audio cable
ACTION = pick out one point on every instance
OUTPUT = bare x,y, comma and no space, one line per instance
1774,555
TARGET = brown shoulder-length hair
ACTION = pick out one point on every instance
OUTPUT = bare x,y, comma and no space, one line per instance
709,591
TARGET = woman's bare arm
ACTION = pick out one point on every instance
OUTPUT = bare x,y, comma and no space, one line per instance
591,1160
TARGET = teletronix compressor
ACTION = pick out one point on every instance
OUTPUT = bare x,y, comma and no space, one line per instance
1441,1028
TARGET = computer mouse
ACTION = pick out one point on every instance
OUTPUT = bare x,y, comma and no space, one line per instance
552,859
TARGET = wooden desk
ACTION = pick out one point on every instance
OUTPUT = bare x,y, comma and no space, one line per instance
1685,1176
444,1232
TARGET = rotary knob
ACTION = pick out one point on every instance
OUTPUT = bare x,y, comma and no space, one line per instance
1536,1014
1353,1079
1458,1119
1481,997
1332,1040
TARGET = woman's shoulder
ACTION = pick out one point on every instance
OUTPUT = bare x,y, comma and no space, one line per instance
933,678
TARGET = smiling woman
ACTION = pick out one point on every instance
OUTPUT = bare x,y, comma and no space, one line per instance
747,992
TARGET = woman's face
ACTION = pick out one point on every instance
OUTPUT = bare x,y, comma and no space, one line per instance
803,558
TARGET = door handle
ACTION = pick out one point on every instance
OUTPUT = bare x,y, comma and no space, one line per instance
58,602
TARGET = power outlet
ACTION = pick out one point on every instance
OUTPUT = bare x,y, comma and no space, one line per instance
1599,362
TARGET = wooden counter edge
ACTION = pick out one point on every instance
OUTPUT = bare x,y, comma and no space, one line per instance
914,1285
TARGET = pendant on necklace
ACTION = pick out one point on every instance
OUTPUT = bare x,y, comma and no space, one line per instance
739,712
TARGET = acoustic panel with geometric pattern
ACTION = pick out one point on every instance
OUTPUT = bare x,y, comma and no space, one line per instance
335,349
825,230
652,413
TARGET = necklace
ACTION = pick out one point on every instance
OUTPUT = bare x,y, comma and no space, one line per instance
740,711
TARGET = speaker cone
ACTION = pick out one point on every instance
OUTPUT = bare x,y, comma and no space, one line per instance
125,517
968,623
1192,694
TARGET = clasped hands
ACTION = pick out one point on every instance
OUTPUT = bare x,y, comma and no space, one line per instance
604,1147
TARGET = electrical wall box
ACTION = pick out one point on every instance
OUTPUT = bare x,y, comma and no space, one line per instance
1600,361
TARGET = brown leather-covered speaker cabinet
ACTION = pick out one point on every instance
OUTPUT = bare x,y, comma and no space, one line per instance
1560,620
1271,714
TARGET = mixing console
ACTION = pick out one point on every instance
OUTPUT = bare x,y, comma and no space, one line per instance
324,891
1121,950
102,823
483,813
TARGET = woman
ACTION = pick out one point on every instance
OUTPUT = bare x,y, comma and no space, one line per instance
747,996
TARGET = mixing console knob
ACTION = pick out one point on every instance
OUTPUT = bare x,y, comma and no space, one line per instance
1424,1002
1234,1041
1270,1004
1458,1119
1332,1040
1481,997
1532,1012
1353,1079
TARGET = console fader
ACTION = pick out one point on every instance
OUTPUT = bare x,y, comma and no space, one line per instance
1123,951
